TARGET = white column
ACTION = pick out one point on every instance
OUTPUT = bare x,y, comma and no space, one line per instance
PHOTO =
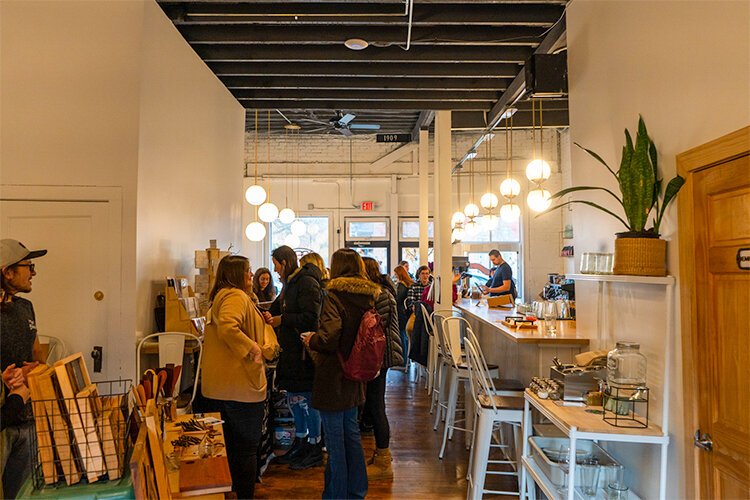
442,212
424,193
395,256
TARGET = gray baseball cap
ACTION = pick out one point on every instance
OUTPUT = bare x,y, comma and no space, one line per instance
13,251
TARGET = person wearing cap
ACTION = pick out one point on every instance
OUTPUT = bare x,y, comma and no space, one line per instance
19,346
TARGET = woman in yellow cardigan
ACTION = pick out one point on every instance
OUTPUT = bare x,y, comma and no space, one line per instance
237,339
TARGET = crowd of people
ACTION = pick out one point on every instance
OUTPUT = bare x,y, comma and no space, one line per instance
307,328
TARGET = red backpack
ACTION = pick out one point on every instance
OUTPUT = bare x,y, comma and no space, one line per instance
366,358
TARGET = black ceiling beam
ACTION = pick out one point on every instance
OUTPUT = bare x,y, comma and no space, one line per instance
251,82
377,69
366,96
315,53
297,14
340,104
321,35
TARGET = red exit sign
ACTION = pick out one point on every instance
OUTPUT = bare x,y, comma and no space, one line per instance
367,206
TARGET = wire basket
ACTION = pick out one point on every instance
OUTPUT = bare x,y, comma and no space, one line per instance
83,438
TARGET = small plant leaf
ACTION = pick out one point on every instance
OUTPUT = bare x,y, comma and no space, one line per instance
673,187
589,203
569,190
598,158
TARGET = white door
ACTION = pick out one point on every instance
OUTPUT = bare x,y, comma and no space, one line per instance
78,279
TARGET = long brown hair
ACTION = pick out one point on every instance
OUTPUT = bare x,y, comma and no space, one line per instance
287,257
403,276
347,262
230,274
373,273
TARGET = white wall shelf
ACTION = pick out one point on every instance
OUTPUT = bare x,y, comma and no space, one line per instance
577,424
623,278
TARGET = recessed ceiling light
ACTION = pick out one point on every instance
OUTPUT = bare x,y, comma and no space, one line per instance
356,44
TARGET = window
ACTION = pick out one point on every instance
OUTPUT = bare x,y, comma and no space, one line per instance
483,259
367,229
315,237
505,231
380,254
408,242
410,229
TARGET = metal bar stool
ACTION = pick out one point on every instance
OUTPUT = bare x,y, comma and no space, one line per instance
456,373
491,410
434,368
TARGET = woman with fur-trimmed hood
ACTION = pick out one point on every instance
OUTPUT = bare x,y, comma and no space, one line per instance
350,295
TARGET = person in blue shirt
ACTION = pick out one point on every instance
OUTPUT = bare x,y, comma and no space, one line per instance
501,282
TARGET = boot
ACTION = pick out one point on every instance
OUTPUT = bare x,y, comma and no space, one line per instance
379,466
297,446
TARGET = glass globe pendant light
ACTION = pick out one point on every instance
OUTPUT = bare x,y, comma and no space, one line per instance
268,212
458,218
471,227
510,212
286,216
539,199
488,201
490,221
255,231
538,171
471,210
510,188
298,228
292,240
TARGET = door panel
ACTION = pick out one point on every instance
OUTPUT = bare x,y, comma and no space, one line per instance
75,268
721,204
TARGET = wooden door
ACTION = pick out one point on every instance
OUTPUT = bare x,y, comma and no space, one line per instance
718,289
79,263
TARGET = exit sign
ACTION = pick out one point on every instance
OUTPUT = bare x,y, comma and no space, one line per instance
393,138
367,206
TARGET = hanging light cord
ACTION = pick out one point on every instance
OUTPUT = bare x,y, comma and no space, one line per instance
268,155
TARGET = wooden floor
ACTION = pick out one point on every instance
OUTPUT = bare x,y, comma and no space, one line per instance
414,445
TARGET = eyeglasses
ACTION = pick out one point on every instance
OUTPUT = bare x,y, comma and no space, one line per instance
30,266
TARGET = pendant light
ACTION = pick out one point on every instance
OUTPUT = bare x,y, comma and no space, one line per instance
489,199
509,188
538,170
298,228
255,194
268,212
458,219
255,231
471,210
286,214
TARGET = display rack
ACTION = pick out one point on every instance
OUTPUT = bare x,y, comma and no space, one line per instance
577,424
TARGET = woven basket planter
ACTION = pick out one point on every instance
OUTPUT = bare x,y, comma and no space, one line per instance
641,256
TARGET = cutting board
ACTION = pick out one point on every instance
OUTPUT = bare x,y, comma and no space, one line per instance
205,475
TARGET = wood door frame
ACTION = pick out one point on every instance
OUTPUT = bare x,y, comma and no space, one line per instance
729,147
113,196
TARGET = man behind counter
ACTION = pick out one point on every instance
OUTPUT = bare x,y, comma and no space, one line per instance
19,346
501,282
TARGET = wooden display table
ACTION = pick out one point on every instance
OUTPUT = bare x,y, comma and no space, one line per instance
208,477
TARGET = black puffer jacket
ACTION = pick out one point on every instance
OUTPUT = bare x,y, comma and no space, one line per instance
299,306
385,305
401,292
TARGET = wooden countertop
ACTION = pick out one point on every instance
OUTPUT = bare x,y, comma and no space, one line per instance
494,316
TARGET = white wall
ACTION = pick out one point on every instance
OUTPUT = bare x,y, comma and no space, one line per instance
190,161
685,67
107,94
323,164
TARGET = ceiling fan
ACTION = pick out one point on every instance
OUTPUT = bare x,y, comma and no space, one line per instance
341,123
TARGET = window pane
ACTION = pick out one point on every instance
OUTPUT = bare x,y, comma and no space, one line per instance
410,229
380,254
366,229
314,239
411,255
506,231
483,258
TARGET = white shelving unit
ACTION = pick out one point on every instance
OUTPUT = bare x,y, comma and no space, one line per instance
577,424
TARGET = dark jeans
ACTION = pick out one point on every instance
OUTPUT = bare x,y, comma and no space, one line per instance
242,432
16,457
346,472
374,412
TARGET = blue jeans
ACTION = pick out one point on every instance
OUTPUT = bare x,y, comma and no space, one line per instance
306,418
346,472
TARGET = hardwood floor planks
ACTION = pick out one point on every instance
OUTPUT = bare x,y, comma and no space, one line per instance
418,473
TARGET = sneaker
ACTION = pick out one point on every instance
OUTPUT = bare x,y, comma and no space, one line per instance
297,447
311,456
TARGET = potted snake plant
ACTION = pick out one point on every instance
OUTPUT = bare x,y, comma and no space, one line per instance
638,250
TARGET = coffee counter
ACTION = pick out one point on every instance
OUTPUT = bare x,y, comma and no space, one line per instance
520,353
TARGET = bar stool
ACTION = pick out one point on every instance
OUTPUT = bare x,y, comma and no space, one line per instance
434,365
491,410
456,373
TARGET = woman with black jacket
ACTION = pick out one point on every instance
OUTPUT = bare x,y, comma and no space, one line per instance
379,466
402,290
297,310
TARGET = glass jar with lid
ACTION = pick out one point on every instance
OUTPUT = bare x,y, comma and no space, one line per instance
626,366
